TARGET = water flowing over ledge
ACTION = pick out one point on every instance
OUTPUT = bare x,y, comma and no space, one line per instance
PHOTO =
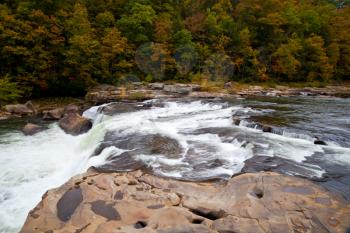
183,139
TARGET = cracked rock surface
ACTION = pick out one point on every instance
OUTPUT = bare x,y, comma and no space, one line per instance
138,202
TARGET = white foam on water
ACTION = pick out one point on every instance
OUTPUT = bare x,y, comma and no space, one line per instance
29,166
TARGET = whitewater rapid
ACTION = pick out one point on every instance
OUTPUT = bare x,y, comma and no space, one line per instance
29,166
211,147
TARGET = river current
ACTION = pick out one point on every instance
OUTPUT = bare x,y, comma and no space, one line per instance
183,139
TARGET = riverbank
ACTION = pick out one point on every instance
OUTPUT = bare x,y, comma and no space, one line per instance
140,91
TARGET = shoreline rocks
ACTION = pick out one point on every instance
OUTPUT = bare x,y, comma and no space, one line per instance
138,202
26,109
108,93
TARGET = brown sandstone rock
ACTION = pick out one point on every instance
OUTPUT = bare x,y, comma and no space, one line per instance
75,124
137,202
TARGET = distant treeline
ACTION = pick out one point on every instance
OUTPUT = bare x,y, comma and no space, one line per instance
61,47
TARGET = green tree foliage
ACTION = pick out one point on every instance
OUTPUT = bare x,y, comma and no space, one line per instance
9,91
61,47
137,24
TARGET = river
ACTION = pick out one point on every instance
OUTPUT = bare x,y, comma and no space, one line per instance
182,138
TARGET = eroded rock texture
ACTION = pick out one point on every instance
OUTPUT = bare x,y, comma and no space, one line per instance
137,202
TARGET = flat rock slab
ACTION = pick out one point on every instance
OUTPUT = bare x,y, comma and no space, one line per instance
138,202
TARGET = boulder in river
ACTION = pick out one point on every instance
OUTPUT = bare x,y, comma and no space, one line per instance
53,115
320,142
31,129
75,124
21,109
138,202
236,121
267,129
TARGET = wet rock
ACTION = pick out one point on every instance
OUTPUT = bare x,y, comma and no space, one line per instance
106,210
52,115
259,202
75,124
136,144
267,129
158,103
236,121
126,161
320,142
21,109
151,144
68,203
31,129
164,145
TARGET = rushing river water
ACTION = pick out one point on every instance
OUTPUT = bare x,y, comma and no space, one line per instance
184,139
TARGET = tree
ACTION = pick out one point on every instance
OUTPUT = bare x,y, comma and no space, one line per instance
286,59
9,91
316,64
137,25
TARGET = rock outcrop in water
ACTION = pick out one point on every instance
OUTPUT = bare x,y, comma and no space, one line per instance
31,129
75,124
53,115
137,202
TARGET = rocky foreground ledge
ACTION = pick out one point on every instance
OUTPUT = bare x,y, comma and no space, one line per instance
138,202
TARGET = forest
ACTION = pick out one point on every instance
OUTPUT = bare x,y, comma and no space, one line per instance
63,47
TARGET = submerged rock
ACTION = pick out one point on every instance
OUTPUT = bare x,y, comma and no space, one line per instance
137,202
136,145
75,124
31,129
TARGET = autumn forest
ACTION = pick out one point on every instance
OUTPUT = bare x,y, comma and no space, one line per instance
63,47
